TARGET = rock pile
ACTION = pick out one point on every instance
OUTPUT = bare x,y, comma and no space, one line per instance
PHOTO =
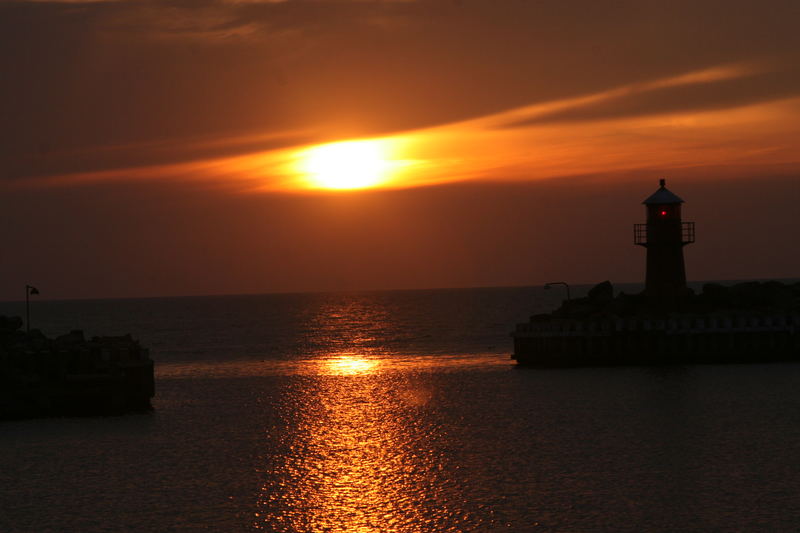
70,375
752,297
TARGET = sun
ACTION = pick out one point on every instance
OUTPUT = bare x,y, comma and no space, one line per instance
346,164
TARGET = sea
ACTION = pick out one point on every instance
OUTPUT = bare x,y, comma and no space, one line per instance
398,411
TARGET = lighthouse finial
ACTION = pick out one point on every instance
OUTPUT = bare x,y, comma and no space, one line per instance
662,182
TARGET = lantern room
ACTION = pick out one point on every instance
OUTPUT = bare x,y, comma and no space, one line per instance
663,204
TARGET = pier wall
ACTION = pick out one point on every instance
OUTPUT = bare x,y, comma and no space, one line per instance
685,339
71,376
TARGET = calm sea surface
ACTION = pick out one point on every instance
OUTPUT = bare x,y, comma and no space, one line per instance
398,411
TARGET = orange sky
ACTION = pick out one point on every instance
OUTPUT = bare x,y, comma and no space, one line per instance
517,140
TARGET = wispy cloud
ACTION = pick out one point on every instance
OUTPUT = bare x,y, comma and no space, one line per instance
72,1
528,144
551,111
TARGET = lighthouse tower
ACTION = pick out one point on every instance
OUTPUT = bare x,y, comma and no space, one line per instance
664,235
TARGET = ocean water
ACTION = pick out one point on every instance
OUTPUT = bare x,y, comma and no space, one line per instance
398,412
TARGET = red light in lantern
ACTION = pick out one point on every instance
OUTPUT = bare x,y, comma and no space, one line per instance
663,213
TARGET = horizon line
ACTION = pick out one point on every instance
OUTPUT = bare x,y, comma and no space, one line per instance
381,290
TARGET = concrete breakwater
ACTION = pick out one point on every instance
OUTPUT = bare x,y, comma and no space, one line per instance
71,375
675,339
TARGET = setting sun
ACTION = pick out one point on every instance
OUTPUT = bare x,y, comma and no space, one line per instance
347,164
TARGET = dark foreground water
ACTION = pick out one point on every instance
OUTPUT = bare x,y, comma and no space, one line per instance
399,411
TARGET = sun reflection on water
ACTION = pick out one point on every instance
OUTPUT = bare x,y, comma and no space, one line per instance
348,365
356,458
358,449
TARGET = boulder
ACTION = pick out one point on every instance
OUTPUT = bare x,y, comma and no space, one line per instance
601,293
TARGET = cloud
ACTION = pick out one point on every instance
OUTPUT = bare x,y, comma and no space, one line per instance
526,143
71,1
106,88
717,88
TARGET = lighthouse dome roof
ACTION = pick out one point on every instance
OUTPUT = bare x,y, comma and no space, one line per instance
663,196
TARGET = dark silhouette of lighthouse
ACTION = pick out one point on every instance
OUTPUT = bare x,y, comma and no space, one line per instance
664,235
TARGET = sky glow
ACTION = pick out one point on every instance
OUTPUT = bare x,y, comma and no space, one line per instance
266,146
521,144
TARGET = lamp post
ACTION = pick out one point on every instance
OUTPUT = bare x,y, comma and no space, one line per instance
547,286
29,290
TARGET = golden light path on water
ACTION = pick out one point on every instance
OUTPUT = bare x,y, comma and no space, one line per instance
372,363
355,438
359,445
348,365
358,456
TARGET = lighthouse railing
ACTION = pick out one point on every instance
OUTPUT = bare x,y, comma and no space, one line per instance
640,233
687,232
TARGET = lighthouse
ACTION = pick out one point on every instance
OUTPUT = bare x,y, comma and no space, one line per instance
664,235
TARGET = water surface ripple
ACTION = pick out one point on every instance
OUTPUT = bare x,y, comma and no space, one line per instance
399,412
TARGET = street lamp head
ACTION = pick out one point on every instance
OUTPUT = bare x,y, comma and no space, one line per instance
564,283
